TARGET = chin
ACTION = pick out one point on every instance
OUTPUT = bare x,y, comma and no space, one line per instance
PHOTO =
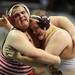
40,38
25,26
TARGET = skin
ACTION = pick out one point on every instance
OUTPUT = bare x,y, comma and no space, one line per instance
58,48
22,44
21,18
65,23
57,22
60,45
5,23
53,45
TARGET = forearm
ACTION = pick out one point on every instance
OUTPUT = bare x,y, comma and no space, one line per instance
27,60
63,22
66,24
43,58
40,56
9,27
49,59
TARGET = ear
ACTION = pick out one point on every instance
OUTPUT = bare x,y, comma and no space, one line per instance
33,21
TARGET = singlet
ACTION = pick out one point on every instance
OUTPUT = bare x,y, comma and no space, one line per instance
10,67
49,33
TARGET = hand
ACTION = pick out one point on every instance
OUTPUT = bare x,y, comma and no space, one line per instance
4,22
40,70
22,58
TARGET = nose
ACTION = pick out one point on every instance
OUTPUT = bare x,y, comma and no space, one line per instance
21,15
36,33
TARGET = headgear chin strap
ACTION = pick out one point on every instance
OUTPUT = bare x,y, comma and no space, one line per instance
18,4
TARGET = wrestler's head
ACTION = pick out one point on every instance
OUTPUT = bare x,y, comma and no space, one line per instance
20,16
39,25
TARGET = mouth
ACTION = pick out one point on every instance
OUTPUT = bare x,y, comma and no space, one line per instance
24,19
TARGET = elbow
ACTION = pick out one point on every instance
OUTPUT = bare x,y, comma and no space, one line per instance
57,60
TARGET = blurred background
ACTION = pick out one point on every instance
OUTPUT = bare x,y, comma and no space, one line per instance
52,7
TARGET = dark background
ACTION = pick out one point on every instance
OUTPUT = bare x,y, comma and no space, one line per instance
53,7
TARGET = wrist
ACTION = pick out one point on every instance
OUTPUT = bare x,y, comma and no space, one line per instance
9,27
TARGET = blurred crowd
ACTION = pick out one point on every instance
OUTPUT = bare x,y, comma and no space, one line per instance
52,6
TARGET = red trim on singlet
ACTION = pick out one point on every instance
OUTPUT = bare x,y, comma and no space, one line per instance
8,68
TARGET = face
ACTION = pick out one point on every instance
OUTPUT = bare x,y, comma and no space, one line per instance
21,18
38,32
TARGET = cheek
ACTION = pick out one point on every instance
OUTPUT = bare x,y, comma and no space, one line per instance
17,21
39,30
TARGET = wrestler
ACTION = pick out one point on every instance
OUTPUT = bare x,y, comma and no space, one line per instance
18,42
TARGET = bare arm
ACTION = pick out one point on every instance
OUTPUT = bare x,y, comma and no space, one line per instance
63,22
21,43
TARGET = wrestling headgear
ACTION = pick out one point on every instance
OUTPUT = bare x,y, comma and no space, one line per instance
9,12
44,22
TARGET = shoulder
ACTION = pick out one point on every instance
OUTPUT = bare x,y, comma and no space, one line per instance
63,35
63,32
57,17
15,35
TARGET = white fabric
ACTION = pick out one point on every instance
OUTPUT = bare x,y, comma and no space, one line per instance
68,67
68,64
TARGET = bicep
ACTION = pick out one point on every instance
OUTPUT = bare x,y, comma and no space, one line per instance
24,46
62,22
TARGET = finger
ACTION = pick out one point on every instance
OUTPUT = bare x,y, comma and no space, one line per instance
1,18
5,18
